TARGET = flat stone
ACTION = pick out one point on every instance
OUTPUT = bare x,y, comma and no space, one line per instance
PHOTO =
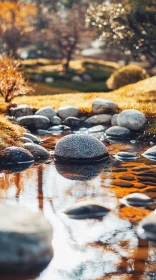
126,156
25,239
147,227
26,140
40,154
137,200
32,137
20,111
123,184
48,112
103,119
114,120
132,119
55,120
118,132
80,148
73,122
68,111
34,122
127,178
97,128
101,106
150,153
87,209
15,155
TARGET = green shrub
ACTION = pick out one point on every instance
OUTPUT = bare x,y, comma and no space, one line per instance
126,75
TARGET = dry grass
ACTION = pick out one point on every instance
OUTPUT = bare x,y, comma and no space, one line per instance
141,96
10,134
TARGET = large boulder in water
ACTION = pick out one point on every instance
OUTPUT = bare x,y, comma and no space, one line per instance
132,119
80,148
25,240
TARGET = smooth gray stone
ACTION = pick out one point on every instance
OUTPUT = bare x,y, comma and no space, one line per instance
15,155
147,227
103,119
102,106
48,112
137,200
126,156
114,120
150,153
80,147
26,140
68,111
20,111
32,137
118,132
34,122
87,210
72,122
39,153
55,120
132,119
25,239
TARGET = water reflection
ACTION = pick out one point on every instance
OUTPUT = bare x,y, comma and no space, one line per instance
88,250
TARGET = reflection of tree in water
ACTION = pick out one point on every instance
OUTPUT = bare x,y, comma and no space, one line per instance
40,187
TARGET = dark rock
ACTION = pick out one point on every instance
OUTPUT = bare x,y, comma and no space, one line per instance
73,122
137,200
40,154
15,155
87,210
34,122
20,111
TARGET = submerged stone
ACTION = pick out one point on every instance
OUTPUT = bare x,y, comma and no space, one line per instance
34,122
126,156
132,119
25,239
147,227
40,154
137,200
150,153
87,210
118,132
80,148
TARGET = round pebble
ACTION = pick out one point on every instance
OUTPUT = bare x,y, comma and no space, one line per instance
132,119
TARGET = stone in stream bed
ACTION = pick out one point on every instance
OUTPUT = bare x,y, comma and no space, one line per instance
132,119
118,132
73,122
102,119
20,111
80,172
87,210
40,154
68,111
34,122
150,153
26,140
32,137
80,148
137,200
114,120
55,120
97,129
100,106
25,240
147,227
48,112
12,156
125,156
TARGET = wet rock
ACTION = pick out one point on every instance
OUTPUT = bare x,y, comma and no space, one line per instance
15,156
101,106
132,119
114,120
150,153
68,111
20,111
47,112
87,210
137,200
125,156
25,239
80,148
103,119
55,120
56,130
40,154
97,129
147,227
42,132
80,172
34,122
32,137
26,140
72,122
118,132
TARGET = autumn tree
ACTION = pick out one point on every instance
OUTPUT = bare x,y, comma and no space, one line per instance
129,26
15,18
12,81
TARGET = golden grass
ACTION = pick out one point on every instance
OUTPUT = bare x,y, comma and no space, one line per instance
141,96
10,134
